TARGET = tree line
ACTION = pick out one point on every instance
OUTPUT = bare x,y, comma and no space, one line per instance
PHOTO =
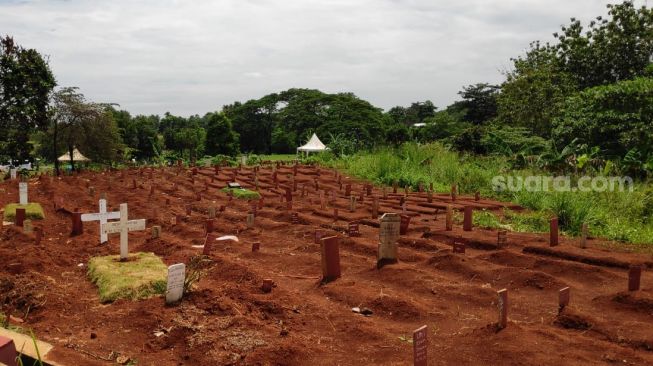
582,101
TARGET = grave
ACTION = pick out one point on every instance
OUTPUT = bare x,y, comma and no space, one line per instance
404,223
563,298
420,346
389,232
449,218
503,308
502,238
124,226
634,278
102,216
330,258
156,232
583,235
256,246
553,232
175,283
459,246
353,229
467,218
267,285
22,193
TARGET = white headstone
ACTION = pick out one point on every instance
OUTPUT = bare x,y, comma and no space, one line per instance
175,287
102,216
13,172
22,193
124,226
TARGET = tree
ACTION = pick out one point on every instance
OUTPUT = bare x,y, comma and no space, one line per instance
617,118
184,136
479,102
610,50
220,136
416,113
86,125
25,85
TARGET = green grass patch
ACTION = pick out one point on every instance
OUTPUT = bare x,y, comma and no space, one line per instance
278,157
142,276
622,216
33,211
242,193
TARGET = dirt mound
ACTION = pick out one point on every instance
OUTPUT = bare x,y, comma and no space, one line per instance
227,318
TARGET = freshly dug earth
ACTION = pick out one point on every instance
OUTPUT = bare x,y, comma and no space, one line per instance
228,319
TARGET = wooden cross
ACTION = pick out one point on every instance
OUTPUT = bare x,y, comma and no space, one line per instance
124,226
102,217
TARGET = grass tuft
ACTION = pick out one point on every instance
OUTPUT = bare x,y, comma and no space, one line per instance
242,193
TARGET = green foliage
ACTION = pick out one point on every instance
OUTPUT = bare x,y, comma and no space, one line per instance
33,211
418,112
140,134
142,276
618,118
25,84
242,193
186,136
479,102
626,216
220,136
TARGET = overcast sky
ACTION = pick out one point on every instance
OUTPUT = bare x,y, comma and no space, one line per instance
191,57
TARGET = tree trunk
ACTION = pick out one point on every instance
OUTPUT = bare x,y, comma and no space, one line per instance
72,162
54,147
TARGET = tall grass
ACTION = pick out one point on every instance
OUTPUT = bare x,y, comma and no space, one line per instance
623,216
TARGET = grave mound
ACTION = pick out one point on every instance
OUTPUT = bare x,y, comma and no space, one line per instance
142,276
33,211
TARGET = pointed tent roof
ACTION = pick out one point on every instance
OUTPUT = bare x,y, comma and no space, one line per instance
314,144
77,156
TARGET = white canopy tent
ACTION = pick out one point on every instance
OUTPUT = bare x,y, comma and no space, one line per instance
77,156
313,145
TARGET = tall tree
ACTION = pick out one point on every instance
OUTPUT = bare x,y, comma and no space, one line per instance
220,136
480,102
86,125
25,85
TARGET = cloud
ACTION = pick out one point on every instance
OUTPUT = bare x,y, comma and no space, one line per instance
191,57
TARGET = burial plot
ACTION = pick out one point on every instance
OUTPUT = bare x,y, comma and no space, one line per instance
563,298
583,235
553,232
503,308
124,226
459,246
388,234
330,258
353,229
449,218
102,216
175,285
502,238
420,346
19,217
467,218
404,222
634,278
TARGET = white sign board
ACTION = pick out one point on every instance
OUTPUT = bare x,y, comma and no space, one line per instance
175,287
22,193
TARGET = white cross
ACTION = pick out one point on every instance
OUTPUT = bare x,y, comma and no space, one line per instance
102,217
124,226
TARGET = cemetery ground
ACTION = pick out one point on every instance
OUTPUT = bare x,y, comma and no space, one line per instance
230,317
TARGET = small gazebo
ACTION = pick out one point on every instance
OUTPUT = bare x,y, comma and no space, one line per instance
313,145
77,156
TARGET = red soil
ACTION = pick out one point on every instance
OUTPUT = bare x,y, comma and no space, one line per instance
228,319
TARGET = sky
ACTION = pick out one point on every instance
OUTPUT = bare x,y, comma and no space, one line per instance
194,56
